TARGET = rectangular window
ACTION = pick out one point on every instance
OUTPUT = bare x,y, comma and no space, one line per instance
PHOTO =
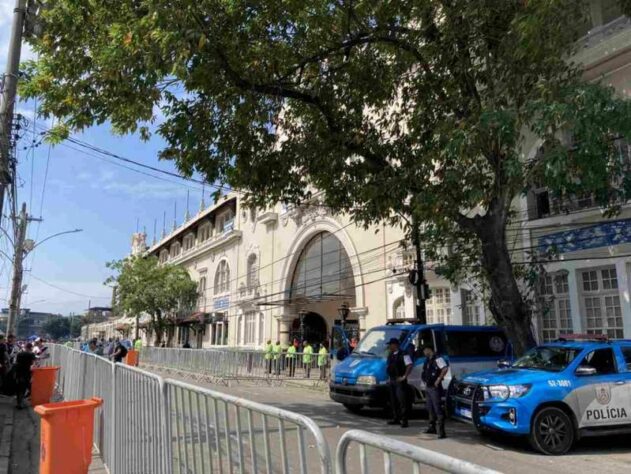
475,343
610,279
603,311
590,281
555,315
250,328
438,307
626,354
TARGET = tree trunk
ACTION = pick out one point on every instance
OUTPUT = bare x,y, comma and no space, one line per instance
158,327
507,304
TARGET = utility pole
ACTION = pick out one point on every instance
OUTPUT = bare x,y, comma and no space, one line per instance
7,101
417,277
18,272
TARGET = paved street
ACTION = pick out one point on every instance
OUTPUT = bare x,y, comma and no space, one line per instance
604,455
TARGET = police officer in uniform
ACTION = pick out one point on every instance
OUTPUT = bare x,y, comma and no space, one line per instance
399,367
434,370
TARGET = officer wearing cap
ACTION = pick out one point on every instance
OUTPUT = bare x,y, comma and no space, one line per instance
399,366
434,370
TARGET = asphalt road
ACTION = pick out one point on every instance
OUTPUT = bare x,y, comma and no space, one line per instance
505,454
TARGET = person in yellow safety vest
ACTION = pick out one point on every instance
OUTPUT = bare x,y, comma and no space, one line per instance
269,355
291,357
307,357
323,360
138,344
278,351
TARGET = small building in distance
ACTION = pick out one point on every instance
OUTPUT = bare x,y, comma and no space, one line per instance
29,323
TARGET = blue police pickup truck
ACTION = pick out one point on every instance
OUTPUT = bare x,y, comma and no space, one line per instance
360,380
556,393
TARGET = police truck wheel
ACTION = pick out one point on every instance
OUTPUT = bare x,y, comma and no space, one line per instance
353,408
552,432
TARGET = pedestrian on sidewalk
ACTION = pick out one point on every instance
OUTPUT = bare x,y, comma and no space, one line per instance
291,357
4,360
434,370
323,360
138,344
277,351
119,353
399,366
307,357
22,373
269,356
12,349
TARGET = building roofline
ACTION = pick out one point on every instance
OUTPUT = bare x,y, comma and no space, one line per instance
194,220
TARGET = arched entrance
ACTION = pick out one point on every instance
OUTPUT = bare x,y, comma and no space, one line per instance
321,281
313,329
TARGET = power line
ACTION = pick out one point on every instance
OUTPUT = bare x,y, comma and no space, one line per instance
68,291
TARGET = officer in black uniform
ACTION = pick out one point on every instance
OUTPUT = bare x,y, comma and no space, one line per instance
434,370
399,368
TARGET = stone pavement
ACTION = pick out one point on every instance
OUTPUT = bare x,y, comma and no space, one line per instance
19,441
6,432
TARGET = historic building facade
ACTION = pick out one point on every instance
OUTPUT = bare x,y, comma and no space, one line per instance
587,290
285,272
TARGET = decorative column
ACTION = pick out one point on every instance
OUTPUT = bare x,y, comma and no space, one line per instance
623,270
285,326
360,314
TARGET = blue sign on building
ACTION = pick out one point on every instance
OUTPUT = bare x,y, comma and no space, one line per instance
585,238
222,302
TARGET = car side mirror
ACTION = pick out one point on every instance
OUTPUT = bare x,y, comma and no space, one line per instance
503,364
583,370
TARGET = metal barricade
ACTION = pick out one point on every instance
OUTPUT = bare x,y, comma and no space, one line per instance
389,447
139,439
215,432
149,424
224,364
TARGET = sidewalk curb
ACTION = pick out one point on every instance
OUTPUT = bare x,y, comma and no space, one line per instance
6,442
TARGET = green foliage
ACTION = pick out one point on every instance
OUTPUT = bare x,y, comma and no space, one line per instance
75,326
397,110
145,286
57,328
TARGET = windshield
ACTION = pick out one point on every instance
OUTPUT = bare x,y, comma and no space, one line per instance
375,342
553,359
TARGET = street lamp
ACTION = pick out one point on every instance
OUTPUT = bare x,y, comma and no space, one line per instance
344,311
301,316
23,247
30,245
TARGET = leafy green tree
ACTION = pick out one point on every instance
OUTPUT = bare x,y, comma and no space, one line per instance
147,287
407,111
76,322
57,328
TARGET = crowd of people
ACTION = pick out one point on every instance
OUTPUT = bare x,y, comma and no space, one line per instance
280,358
114,349
17,358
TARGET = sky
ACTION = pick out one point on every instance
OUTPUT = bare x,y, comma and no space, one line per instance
107,201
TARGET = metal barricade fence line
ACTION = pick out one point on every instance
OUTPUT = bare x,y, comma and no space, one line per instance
231,421
237,364
388,446
163,426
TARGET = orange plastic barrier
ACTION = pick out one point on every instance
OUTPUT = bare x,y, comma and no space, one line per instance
42,384
66,436
132,357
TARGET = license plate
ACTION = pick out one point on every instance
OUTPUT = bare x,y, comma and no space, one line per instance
464,412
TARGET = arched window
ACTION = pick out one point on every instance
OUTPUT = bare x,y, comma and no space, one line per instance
253,272
399,308
222,278
164,255
175,249
323,268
